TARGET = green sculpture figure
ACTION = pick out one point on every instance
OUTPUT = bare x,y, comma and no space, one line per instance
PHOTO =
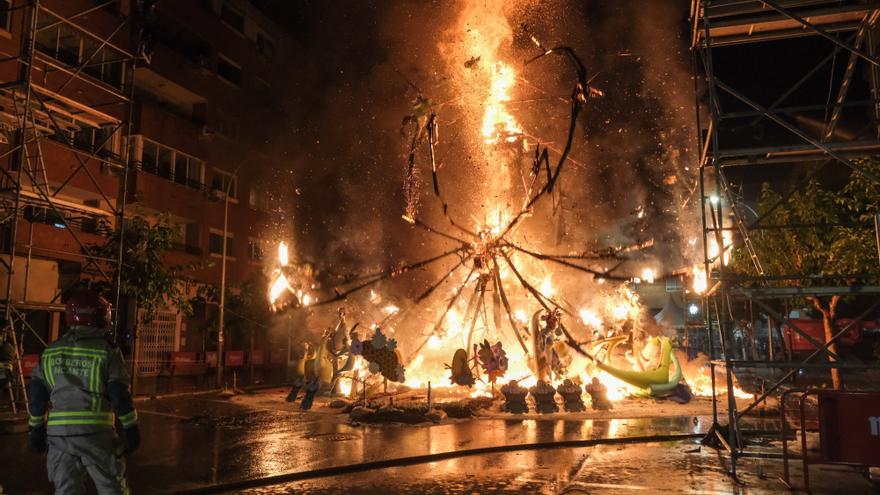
652,382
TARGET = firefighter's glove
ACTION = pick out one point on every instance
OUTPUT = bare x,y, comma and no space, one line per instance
37,437
132,438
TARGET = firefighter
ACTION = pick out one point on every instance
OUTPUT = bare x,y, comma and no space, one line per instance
79,384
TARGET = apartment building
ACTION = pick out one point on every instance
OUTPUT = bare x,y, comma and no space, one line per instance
178,92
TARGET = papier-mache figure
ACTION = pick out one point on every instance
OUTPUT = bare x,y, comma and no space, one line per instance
571,396
545,397
599,395
460,369
311,389
514,398
493,359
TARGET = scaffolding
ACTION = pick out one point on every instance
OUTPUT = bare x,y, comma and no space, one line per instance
743,129
65,124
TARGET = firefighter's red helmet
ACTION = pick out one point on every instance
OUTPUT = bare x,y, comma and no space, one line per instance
87,307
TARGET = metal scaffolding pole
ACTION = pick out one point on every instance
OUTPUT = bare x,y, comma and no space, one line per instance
36,106
722,25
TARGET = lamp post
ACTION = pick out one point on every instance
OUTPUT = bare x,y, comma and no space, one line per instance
220,339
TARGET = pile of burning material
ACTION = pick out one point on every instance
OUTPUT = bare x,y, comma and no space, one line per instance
499,276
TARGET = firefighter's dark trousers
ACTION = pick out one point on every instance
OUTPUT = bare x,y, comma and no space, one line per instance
98,454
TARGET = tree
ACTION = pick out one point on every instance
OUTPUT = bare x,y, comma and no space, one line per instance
247,308
835,237
146,277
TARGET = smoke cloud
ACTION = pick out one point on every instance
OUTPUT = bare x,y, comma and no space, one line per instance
360,67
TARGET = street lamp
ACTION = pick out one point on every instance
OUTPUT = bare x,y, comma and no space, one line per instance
220,339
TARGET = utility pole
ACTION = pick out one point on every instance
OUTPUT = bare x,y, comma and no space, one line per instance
877,233
232,179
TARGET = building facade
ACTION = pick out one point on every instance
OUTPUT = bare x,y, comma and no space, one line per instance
162,103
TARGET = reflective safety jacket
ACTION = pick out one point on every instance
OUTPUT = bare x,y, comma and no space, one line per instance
81,381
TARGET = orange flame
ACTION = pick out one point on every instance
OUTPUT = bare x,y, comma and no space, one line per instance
498,125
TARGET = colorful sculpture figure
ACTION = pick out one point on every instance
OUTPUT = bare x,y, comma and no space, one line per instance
311,389
322,365
299,371
298,383
461,369
514,398
382,354
545,397
599,395
654,381
493,359
571,396
550,356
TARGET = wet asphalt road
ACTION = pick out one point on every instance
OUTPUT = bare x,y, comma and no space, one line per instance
196,441
191,442
651,468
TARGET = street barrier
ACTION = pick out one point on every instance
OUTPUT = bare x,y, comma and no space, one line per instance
849,430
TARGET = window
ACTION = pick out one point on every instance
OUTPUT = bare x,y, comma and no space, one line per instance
228,70
179,37
255,249
170,164
102,62
224,181
259,200
166,161
69,45
73,47
149,157
82,135
215,243
5,15
232,17
97,140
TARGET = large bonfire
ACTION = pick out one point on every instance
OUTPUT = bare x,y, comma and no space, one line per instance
496,311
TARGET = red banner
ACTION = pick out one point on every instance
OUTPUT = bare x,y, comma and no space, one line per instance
234,358
258,357
849,427
184,357
211,359
28,363
816,330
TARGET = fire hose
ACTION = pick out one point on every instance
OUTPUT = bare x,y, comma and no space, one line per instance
236,485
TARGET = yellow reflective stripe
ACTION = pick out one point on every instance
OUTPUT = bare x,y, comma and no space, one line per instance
35,420
61,418
93,383
129,419
65,349
88,414
75,354
47,371
74,422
